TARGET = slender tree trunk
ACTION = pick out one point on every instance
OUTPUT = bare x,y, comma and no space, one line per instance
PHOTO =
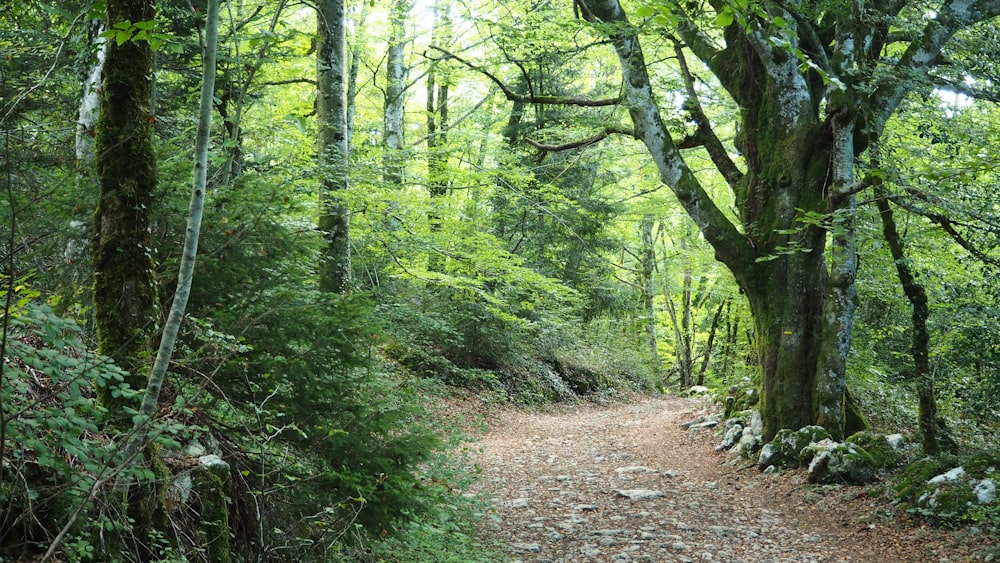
395,90
648,262
125,299
710,343
185,276
687,336
438,82
333,151
731,346
933,431
359,18
90,99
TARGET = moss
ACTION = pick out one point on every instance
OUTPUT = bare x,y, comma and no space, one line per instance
842,463
882,452
125,299
855,420
785,449
741,398
978,464
147,506
210,485
911,483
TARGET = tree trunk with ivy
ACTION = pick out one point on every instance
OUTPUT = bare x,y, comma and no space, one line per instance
125,298
812,92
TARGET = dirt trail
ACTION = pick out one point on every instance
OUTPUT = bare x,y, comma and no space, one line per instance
626,483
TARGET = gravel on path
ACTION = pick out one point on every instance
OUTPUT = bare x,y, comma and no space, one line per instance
626,483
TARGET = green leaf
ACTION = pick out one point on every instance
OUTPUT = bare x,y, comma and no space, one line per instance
724,19
644,11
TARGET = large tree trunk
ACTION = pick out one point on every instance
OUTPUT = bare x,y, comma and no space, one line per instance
125,299
813,91
333,152
778,256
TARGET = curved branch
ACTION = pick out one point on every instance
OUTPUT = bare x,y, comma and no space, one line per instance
948,226
608,131
531,99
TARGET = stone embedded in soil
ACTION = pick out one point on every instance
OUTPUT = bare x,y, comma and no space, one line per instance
635,469
640,494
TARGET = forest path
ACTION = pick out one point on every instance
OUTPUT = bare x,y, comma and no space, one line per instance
625,483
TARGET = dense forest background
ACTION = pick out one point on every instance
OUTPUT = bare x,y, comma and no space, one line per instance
404,199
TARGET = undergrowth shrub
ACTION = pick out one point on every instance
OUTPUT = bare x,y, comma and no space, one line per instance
339,446
953,499
57,451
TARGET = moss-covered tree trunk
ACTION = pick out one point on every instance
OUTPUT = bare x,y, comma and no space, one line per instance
777,256
333,151
813,91
125,299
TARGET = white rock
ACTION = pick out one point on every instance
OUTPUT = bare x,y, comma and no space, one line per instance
213,461
896,440
986,491
195,449
180,488
519,503
527,547
952,475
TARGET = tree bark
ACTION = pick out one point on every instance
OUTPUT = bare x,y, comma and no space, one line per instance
438,82
90,98
333,151
125,299
933,432
648,261
812,96
395,89
710,343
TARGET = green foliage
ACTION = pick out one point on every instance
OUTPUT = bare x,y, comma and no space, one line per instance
57,449
951,501
355,435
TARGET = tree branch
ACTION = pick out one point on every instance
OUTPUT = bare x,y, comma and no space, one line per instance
921,54
730,246
288,81
531,99
718,153
948,226
965,89
605,133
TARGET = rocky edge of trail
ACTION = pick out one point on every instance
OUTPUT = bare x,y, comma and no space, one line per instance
624,482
